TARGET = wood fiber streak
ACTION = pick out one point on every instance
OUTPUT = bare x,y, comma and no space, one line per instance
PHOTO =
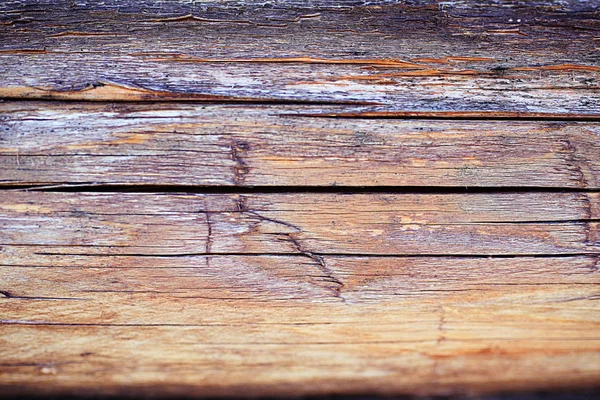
214,145
450,57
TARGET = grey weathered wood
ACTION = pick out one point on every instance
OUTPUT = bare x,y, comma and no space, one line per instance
420,56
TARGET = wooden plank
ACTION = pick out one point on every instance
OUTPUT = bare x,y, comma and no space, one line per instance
216,145
454,59
306,224
450,244
263,278
178,356
399,325
572,306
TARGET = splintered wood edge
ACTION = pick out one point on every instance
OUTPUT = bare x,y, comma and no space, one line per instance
111,92
102,92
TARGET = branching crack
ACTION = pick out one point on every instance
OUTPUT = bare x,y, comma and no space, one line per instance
317,258
275,221
209,239
320,261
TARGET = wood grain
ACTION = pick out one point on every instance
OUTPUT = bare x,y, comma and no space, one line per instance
225,198
136,311
419,325
449,57
193,366
204,327
216,145
309,224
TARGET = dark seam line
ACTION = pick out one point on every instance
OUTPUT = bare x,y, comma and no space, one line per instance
260,189
348,255
425,116
191,100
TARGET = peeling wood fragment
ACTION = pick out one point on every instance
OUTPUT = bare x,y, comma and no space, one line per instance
105,91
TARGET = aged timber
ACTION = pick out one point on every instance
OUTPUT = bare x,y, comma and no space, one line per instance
415,56
299,197
257,145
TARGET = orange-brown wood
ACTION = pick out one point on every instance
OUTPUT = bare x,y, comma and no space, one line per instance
226,198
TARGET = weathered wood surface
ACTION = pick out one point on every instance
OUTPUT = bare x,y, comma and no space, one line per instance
420,344
272,356
215,145
333,197
308,224
448,58
203,291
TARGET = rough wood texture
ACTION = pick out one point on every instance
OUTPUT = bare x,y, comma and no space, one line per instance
449,58
203,291
310,224
211,145
313,198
